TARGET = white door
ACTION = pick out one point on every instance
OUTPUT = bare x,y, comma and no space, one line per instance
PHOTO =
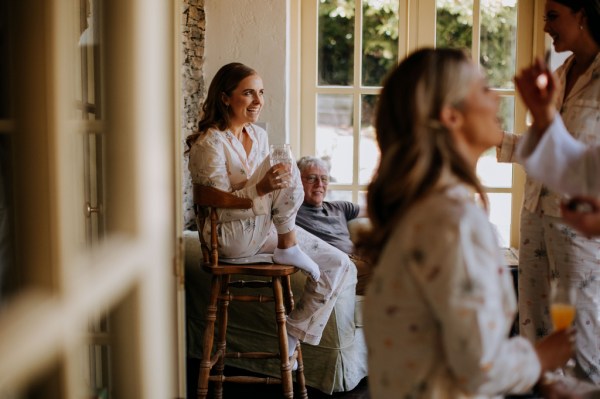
86,127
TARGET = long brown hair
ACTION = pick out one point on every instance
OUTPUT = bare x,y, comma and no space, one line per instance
415,146
215,113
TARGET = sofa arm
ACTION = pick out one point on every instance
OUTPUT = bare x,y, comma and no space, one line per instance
357,225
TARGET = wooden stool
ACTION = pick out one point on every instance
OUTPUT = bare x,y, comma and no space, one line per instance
206,202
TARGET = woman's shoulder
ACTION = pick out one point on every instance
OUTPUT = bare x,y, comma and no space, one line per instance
447,219
208,142
562,68
210,137
450,210
451,202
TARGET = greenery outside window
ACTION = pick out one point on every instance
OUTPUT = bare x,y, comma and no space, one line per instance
357,42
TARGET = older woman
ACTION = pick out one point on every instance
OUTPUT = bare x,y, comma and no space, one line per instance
440,305
231,153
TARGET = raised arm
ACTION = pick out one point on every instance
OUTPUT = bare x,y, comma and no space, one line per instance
548,152
538,88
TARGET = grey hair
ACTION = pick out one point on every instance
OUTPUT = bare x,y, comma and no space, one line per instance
308,161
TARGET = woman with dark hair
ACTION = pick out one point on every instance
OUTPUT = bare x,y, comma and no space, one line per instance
231,153
440,304
550,251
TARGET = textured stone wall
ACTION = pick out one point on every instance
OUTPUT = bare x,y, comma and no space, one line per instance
193,90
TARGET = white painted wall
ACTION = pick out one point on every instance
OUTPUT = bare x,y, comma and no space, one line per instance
252,32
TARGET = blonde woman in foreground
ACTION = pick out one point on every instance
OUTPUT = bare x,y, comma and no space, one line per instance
441,303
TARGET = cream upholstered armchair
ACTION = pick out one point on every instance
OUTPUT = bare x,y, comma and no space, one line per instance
338,363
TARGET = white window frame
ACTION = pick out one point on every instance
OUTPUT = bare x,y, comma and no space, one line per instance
417,22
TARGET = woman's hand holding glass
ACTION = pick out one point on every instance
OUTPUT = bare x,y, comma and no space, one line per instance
279,176
555,351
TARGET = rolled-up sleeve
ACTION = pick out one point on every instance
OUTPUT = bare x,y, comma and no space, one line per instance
209,166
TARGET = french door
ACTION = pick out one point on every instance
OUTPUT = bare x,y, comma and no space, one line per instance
86,199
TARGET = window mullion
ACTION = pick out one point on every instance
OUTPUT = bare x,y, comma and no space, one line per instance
476,44
357,85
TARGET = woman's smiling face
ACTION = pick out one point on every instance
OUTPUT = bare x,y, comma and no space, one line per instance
246,101
562,24
481,127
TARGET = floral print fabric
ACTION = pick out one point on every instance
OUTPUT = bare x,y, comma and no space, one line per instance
440,307
550,250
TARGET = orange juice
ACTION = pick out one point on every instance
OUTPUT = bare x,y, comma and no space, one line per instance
562,315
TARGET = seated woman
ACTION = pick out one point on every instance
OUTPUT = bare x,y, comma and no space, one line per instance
231,153
440,304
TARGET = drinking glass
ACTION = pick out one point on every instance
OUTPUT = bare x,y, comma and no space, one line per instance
562,311
280,153
562,306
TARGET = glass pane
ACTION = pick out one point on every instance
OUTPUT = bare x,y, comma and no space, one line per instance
362,199
507,113
490,172
93,175
380,40
339,195
368,153
11,275
500,216
499,41
335,140
454,24
96,359
336,42
88,58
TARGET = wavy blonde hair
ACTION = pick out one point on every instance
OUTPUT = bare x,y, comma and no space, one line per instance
415,146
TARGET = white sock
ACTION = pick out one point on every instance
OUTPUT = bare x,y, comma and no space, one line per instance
295,257
292,342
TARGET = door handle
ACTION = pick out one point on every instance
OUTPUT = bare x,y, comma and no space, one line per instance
89,209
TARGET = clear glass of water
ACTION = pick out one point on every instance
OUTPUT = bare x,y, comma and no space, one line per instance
280,153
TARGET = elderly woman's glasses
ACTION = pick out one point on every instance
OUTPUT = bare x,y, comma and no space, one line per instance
312,179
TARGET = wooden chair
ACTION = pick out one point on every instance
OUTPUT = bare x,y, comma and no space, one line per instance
206,201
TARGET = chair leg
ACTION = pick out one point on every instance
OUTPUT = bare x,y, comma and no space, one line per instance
300,382
209,332
286,369
288,295
223,315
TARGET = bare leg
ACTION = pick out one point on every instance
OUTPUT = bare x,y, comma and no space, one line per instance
286,240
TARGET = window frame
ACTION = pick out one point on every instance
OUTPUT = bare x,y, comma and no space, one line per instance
43,328
417,29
